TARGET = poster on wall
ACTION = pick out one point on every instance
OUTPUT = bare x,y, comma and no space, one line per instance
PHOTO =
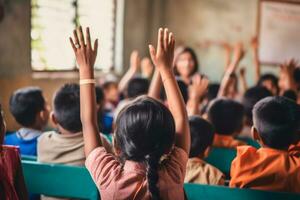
279,31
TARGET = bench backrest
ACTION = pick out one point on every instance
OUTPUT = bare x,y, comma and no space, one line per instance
59,180
207,192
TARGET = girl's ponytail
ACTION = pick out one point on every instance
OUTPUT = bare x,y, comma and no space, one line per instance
152,163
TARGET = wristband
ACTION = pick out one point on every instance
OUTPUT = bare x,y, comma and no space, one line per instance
87,81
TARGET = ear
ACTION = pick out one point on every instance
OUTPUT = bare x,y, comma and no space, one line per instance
53,118
255,135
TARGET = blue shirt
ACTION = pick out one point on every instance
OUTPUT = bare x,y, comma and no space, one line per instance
25,139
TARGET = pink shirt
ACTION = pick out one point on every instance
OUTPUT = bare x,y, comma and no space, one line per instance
128,181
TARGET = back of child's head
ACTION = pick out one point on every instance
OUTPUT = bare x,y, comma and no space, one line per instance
66,106
183,89
251,97
212,91
25,104
99,95
145,130
290,94
226,116
202,135
137,86
276,120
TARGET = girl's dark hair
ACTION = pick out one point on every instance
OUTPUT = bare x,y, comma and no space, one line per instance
194,56
145,130
271,77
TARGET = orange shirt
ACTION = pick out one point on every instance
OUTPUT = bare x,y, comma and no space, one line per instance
265,169
116,181
226,141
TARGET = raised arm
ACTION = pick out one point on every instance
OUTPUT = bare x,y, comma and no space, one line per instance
243,79
155,86
162,58
254,46
286,80
135,62
196,92
85,57
238,55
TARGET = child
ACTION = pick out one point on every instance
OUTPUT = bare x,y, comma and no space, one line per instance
111,95
197,170
145,131
270,82
64,146
226,116
12,185
136,87
30,110
275,124
250,98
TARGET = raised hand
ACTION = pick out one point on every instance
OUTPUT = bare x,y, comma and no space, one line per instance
238,51
135,61
254,42
198,87
146,67
286,77
84,52
163,56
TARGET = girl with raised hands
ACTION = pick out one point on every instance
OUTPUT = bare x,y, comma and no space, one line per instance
151,141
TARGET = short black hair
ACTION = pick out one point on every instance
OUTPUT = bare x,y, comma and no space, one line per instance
270,77
290,94
202,135
183,90
99,95
226,115
251,97
137,86
66,105
276,119
212,91
297,77
25,104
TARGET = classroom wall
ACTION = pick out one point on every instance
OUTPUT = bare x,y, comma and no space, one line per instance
194,22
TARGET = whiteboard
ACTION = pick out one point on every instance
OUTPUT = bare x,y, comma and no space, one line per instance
279,31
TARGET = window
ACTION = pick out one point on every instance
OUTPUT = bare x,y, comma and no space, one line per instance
53,21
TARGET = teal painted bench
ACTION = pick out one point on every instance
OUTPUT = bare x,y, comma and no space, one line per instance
59,180
207,192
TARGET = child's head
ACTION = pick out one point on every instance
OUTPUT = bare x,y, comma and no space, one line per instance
111,92
145,130
66,108
270,82
137,86
99,98
202,135
183,89
275,122
250,98
226,115
186,63
29,107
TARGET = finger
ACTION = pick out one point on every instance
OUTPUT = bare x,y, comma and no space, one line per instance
160,39
72,44
166,37
152,52
81,37
88,38
76,37
96,46
172,45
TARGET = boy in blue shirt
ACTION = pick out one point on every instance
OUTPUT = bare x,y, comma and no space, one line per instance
29,108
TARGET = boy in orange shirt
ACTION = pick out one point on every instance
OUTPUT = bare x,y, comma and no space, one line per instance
271,167
227,117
